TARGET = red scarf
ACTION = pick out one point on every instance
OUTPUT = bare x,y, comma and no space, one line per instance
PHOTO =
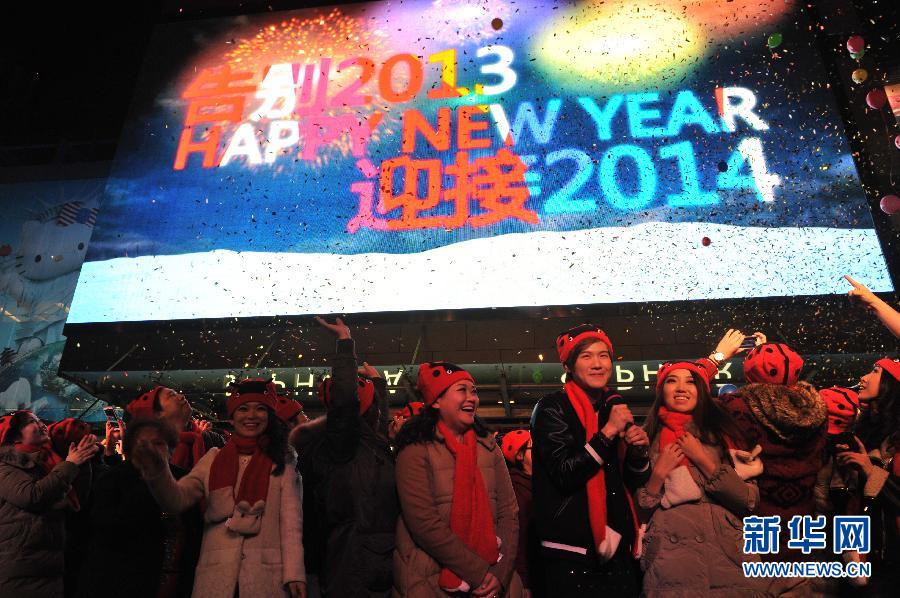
471,518
47,459
596,486
255,481
673,423
190,449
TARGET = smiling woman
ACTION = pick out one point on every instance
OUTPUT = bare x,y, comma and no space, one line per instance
694,490
253,541
459,509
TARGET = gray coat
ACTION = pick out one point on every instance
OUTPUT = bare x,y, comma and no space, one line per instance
695,548
32,525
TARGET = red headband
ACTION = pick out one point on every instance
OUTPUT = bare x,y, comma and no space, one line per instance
704,368
891,366
365,390
252,390
437,376
567,341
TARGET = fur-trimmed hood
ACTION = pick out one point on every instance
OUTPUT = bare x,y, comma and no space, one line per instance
16,458
791,413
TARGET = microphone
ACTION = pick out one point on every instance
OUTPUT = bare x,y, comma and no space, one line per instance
636,453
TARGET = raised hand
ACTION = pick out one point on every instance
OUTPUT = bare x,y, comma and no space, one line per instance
148,461
619,418
368,371
82,452
339,329
861,294
730,344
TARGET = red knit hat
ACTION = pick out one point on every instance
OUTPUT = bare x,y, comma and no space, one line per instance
773,363
365,390
437,376
412,408
513,442
891,366
142,407
260,390
842,404
566,341
65,432
704,368
6,421
286,408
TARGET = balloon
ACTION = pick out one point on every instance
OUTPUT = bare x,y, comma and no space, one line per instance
859,75
890,204
856,44
497,24
727,389
858,55
774,40
876,98
706,241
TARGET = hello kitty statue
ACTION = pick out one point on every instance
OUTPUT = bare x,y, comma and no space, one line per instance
40,284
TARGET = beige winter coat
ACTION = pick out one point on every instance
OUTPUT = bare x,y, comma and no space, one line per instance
425,543
695,548
259,565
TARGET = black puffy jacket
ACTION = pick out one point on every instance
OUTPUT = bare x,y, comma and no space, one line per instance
562,468
349,471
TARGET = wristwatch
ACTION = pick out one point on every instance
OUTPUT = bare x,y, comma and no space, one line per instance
717,357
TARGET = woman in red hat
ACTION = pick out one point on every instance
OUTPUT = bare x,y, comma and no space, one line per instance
875,458
252,539
35,491
693,544
517,447
458,530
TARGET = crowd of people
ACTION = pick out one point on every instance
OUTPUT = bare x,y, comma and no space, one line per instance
428,501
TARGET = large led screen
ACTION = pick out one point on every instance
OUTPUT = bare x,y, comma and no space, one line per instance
394,156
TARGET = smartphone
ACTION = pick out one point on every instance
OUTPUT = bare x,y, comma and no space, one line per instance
110,412
841,443
748,343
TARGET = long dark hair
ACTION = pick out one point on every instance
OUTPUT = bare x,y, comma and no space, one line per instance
872,429
277,447
713,424
420,428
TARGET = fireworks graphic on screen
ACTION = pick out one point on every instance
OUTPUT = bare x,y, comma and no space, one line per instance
306,41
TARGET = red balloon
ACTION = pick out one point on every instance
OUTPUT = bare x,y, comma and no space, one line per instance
890,204
876,98
856,44
706,241
5,250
